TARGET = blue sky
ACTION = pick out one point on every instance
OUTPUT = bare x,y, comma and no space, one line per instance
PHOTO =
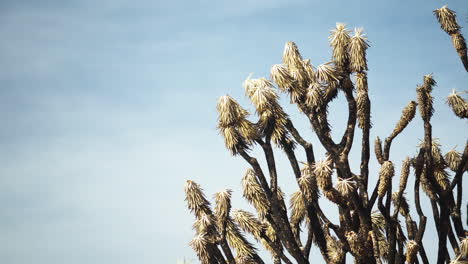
108,107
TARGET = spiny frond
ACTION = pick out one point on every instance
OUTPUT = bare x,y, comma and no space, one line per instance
298,208
427,186
429,82
404,206
436,152
314,96
357,51
385,175
361,82
330,91
282,77
261,93
200,245
327,73
237,131
237,240
405,170
323,171
290,80
254,194
384,247
378,220
425,102
412,249
442,178
291,55
375,243
464,248
308,183
459,43
355,243
309,68
407,115
223,206
453,159
301,77
345,186
272,117
447,19
458,104
363,109
425,99
339,40
297,67
229,111
334,250
233,139
280,195
378,150
196,201
248,223
205,223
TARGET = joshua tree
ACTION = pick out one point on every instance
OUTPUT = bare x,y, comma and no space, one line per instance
369,228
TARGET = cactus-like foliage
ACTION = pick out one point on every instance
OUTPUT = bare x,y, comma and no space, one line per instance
448,22
385,177
369,226
458,104
323,171
339,41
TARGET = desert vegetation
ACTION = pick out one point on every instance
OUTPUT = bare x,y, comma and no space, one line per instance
376,223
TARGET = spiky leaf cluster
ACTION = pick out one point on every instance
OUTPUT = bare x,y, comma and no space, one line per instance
345,186
196,200
237,241
298,68
238,132
327,74
385,176
453,158
412,249
362,99
339,40
273,119
405,170
248,223
200,245
222,207
363,109
407,115
378,150
308,183
323,170
254,193
427,186
458,104
447,19
298,210
425,99
334,249
315,97
404,206
357,51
